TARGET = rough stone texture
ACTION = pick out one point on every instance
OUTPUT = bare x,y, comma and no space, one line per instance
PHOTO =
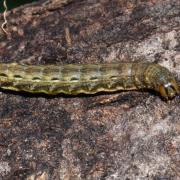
120,136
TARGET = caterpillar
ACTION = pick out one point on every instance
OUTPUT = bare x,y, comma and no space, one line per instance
88,79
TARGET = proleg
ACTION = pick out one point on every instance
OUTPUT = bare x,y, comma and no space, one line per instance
88,79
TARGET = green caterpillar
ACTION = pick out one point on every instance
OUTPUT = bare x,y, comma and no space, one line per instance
89,78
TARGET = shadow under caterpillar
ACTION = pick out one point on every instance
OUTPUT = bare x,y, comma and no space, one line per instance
89,78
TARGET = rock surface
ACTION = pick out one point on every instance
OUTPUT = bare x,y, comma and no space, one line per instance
119,136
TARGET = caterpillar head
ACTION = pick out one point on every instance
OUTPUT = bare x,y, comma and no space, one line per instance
169,89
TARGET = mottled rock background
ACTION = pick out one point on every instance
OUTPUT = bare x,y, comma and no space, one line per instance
120,136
